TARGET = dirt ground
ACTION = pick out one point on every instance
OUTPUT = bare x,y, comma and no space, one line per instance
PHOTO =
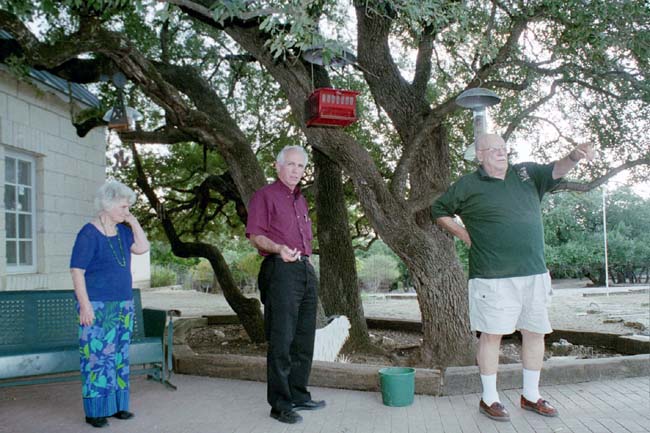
574,306
621,310
392,347
625,310
398,348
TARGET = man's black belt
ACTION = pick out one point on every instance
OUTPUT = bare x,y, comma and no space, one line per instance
279,257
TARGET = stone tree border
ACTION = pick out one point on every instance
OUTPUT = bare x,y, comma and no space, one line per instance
453,381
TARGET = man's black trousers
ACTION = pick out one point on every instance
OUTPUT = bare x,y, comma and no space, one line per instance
289,292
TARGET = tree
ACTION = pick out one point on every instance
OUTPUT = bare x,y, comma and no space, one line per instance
582,61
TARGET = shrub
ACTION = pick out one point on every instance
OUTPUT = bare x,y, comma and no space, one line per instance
203,276
377,271
162,276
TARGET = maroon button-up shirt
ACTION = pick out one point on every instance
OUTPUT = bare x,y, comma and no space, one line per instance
282,216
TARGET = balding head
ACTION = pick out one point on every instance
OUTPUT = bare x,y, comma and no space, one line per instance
485,141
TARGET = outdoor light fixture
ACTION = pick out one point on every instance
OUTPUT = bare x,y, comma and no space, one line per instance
120,118
477,99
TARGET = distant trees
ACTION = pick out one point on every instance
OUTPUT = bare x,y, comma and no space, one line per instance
573,225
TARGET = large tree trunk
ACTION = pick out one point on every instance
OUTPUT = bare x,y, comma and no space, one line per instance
443,299
430,256
441,288
338,291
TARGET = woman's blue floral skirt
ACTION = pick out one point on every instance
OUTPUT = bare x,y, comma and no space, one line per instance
104,353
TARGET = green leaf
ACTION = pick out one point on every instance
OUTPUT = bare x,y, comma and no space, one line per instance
100,382
110,337
96,345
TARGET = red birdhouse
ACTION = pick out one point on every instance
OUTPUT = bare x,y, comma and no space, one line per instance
332,107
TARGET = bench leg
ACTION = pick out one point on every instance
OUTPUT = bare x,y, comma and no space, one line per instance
159,376
168,384
167,366
170,346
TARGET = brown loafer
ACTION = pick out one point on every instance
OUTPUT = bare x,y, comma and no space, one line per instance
496,411
542,407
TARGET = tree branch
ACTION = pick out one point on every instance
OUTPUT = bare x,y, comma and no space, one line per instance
387,85
503,54
246,307
161,83
584,187
488,37
423,62
516,122
163,136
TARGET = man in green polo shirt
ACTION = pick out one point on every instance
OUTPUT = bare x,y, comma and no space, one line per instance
509,285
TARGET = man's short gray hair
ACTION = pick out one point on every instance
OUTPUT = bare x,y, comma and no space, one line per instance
112,192
283,153
485,139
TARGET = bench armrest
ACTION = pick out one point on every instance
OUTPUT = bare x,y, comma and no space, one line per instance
155,321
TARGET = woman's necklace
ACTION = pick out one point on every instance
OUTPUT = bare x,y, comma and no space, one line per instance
122,261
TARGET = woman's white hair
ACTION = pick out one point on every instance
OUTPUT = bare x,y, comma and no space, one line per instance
283,153
111,193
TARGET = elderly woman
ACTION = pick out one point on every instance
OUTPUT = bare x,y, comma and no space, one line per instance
101,274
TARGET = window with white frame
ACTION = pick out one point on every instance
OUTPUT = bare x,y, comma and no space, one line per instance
20,213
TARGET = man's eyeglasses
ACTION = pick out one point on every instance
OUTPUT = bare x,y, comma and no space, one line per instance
497,149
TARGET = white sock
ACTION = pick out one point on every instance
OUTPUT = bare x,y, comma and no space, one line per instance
490,394
531,385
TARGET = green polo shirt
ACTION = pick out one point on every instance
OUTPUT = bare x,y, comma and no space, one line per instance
503,218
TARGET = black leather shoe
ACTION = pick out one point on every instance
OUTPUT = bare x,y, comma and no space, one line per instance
97,422
309,405
286,416
123,414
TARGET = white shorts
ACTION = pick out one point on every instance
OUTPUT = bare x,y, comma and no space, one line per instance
501,305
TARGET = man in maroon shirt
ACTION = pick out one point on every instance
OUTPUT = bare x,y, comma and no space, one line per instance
279,227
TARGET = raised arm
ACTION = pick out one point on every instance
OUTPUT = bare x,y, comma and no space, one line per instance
566,164
140,241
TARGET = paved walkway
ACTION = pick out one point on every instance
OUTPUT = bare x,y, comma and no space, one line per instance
203,405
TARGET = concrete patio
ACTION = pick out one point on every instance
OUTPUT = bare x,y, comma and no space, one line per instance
204,405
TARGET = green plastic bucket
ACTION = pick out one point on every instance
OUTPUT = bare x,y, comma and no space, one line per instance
397,385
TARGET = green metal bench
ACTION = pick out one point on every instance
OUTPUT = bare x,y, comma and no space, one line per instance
39,335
